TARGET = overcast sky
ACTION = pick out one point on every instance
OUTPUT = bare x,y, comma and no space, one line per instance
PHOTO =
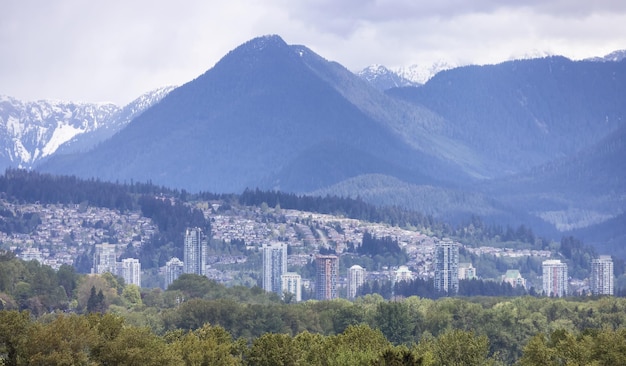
116,50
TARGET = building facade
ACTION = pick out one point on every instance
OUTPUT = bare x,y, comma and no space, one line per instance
104,259
514,278
554,278
467,271
403,273
130,270
601,278
356,279
274,266
195,251
446,261
326,272
291,282
173,269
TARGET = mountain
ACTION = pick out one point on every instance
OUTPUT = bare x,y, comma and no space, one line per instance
30,131
86,141
33,131
578,194
382,78
276,116
525,113
505,141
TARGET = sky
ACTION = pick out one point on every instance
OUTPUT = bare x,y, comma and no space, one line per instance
114,51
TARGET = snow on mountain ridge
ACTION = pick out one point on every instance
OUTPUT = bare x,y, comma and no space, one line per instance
31,131
421,73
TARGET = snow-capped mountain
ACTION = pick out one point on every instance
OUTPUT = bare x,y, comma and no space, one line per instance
421,73
115,123
382,78
31,131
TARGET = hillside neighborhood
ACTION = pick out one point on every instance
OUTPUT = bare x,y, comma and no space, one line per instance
65,232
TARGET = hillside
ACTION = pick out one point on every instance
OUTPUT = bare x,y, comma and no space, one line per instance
265,115
526,113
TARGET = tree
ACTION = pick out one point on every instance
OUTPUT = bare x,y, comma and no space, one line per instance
393,320
14,328
66,340
95,303
461,348
272,349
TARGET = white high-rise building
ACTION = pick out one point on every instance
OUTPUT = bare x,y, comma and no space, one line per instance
130,270
173,269
195,251
446,260
554,278
104,259
601,278
356,279
274,266
291,282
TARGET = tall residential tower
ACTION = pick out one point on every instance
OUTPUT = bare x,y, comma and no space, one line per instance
195,251
274,266
554,278
326,272
356,278
601,279
446,260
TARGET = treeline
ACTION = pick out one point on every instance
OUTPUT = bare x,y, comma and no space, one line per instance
341,206
507,324
110,340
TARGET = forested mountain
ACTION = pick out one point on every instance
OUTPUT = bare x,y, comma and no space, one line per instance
527,112
270,115
278,116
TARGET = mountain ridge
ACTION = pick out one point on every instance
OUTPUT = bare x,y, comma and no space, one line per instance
33,131
276,116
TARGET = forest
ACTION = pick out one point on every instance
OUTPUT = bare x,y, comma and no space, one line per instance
97,319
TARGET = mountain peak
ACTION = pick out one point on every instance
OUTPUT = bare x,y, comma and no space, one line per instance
382,78
260,44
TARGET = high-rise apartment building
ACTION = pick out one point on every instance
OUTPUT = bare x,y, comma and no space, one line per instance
601,278
195,251
356,279
173,269
446,261
274,266
130,270
554,276
326,272
291,282
104,259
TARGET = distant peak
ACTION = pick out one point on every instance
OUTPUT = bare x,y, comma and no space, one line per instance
615,56
263,42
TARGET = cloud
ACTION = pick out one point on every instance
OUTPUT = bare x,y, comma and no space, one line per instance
116,50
